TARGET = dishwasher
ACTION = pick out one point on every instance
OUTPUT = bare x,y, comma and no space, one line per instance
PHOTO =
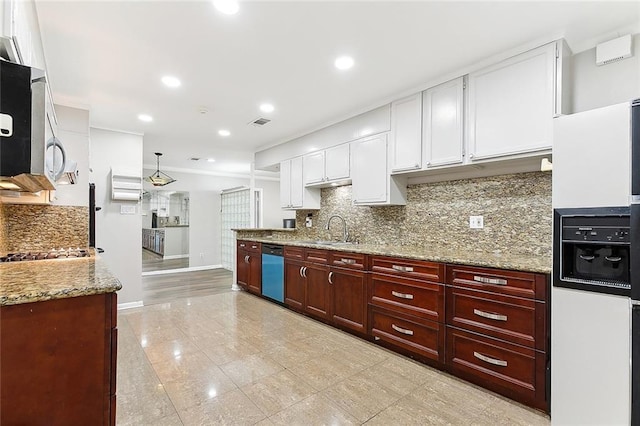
273,272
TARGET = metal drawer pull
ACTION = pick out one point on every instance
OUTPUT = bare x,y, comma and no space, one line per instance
583,257
402,295
330,276
304,272
301,268
485,280
402,268
490,315
246,259
242,245
348,261
402,330
254,247
613,259
493,361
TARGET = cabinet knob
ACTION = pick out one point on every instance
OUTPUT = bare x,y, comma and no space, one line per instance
470,155
428,163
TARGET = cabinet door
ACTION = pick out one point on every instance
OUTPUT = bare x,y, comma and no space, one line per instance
242,269
285,184
511,105
443,124
297,186
369,174
317,290
254,283
337,162
293,285
313,167
406,133
348,299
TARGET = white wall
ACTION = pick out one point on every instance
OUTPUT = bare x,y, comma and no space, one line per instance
119,235
597,86
73,132
204,209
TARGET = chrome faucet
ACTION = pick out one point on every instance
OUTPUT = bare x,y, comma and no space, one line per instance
345,234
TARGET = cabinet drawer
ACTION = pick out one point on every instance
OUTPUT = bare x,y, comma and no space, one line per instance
292,252
348,260
420,298
517,320
512,370
521,284
316,256
423,337
408,268
250,246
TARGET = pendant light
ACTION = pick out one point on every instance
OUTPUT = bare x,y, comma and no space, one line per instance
159,178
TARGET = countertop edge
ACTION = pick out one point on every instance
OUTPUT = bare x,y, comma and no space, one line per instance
471,260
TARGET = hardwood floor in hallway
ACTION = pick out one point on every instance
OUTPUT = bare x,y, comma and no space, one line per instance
169,287
154,262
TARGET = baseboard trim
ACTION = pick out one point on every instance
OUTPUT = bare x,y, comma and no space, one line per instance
176,256
130,305
174,271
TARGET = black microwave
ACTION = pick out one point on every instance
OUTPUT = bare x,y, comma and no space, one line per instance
591,249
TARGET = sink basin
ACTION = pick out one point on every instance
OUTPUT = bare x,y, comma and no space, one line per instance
327,243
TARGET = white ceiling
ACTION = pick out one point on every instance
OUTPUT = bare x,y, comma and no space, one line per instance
109,56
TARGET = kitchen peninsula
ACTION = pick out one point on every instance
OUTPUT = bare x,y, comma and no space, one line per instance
58,342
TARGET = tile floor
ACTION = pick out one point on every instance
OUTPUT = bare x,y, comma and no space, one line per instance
232,358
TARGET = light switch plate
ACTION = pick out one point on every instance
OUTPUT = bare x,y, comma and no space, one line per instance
126,209
476,222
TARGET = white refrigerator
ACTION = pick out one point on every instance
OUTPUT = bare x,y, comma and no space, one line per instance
591,331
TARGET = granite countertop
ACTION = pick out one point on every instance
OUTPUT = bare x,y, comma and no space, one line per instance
40,280
264,229
513,261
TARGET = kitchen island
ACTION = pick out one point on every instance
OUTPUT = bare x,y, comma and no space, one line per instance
58,335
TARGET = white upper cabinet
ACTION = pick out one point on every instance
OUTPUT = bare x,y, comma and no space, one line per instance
327,166
313,166
443,124
293,194
512,105
406,134
372,183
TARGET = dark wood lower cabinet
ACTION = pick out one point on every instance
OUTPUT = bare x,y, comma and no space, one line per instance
59,362
512,370
294,285
317,300
349,299
422,337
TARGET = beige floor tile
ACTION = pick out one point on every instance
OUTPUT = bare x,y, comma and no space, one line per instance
224,352
273,393
135,375
323,371
143,407
250,369
198,390
172,420
506,413
315,410
231,408
192,366
361,397
167,350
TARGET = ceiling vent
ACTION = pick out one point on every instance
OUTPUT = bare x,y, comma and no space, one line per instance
195,158
260,121
613,50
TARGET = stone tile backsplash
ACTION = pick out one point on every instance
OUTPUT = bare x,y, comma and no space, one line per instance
42,227
516,208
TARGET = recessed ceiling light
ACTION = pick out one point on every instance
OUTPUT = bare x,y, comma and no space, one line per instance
145,117
224,132
171,81
266,108
228,7
211,160
344,62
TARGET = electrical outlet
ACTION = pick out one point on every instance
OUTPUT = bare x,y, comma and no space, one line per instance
476,222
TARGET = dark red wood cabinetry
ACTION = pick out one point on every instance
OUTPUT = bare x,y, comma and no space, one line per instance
59,362
334,294
249,266
497,331
489,326
406,298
